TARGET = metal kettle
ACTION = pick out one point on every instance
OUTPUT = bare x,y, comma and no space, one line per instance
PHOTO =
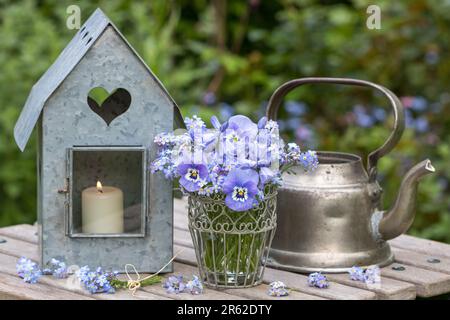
331,219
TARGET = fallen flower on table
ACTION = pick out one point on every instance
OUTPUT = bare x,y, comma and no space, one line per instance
175,284
96,281
56,268
195,286
28,270
369,275
372,275
277,289
318,280
356,273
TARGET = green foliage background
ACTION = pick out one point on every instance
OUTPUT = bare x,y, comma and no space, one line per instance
238,52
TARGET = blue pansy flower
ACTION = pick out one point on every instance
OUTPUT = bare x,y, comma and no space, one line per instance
242,127
241,187
192,175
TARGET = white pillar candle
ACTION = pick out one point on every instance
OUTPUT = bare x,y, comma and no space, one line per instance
102,209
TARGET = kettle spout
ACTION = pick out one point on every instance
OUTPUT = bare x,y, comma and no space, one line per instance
400,217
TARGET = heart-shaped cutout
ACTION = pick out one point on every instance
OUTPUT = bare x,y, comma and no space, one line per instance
109,106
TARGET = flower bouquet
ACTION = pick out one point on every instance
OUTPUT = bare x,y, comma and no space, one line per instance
231,174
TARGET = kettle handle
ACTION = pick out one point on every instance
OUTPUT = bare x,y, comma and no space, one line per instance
399,116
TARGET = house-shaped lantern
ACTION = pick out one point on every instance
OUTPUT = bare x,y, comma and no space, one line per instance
97,204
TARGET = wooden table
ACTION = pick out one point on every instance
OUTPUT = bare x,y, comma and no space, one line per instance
420,278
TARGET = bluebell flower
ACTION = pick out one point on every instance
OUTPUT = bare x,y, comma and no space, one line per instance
174,284
277,289
241,187
28,270
318,280
356,273
191,175
195,286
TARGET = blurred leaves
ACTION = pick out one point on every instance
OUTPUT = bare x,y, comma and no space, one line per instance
225,57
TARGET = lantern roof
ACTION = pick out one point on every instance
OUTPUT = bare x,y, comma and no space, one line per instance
72,54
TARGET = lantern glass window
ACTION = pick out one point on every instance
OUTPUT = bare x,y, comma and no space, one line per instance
106,191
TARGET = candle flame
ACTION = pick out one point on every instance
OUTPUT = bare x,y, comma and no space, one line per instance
99,186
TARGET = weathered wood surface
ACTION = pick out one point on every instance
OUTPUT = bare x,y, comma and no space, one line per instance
420,278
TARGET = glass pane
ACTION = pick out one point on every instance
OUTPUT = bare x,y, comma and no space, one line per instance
107,191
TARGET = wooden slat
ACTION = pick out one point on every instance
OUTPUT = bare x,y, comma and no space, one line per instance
294,281
420,260
187,272
19,248
258,292
388,289
428,247
8,259
12,287
395,284
428,283
24,232
14,246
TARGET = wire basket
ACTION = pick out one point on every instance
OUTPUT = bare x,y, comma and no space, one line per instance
232,247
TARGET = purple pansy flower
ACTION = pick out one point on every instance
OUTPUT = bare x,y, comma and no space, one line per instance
241,187
215,122
266,175
192,176
262,123
242,127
